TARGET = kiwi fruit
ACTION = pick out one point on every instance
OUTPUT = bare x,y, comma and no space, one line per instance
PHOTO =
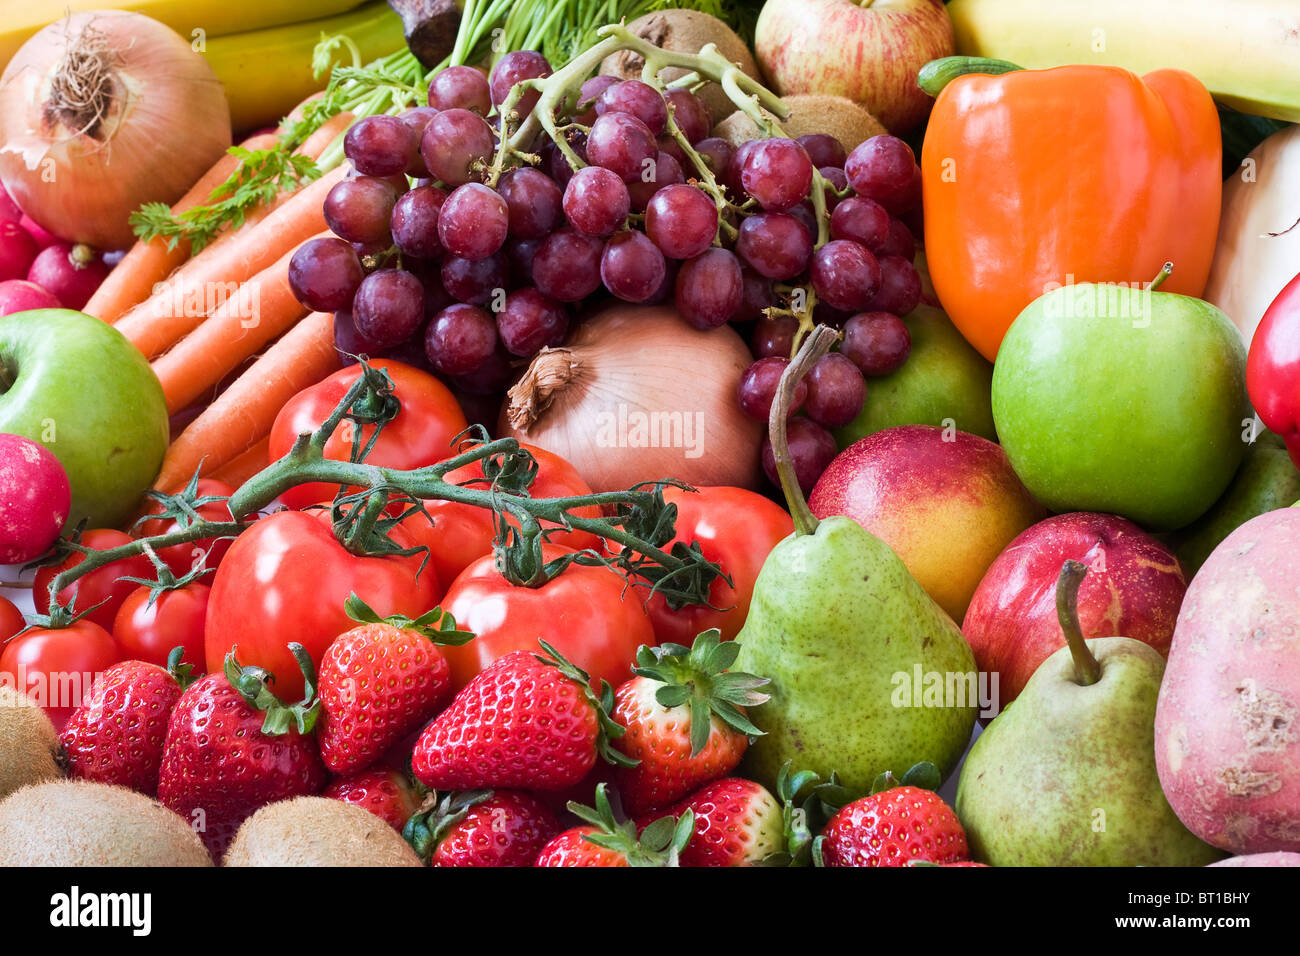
317,831
29,747
809,113
79,823
684,31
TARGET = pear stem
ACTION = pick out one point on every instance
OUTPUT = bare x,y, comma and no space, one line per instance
815,345
1086,669
1161,276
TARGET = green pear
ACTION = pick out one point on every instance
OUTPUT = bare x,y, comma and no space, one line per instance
868,673
1267,480
943,382
1066,774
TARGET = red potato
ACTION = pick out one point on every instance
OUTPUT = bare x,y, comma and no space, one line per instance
1228,717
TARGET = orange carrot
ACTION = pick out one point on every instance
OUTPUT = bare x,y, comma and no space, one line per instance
132,280
244,412
261,309
244,466
184,301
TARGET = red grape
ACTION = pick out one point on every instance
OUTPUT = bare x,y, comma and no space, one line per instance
596,201
709,288
774,244
757,388
515,68
883,168
415,222
622,143
474,281
460,88
324,274
380,145
636,99
388,307
417,117
900,241
530,321
774,336
682,221
632,267
900,287
845,274
716,152
862,220
567,265
812,449
453,143
836,391
473,221
690,114
666,171
460,339
823,149
533,200
876,342
778,173
359,210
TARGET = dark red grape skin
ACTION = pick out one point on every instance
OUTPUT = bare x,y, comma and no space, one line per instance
475,281
756,295
622,143
845,275
636,99
732,177
757,388
709,289
514,68
876,342
836,391
673,148
596,201
360,210
899,291
862,220
823,149
690,114
415,222
778,173
533,200
587,94
835,180
682,221
349,342
388,307
460,87
324,274
530,321
473,222
567,265
884,168
900,241
380,145
460,339
665,172
632,267
774,336
812,449
774,244
417,117
717,153
453,143
490,378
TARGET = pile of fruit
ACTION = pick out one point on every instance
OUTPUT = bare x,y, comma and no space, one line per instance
629,435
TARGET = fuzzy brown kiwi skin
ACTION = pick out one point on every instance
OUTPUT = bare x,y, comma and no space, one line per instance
317,831
810,113
80,823
30,751
684,31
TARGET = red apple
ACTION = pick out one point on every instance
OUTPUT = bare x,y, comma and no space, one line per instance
947,502
1134,588
867,50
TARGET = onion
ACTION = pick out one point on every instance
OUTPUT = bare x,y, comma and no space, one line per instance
101,112
639,395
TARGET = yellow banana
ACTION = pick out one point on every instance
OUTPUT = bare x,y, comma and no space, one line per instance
1246,52
22,18
266,73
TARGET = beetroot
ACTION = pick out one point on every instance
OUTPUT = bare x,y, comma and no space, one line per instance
71,273
34,499
17,250
19,295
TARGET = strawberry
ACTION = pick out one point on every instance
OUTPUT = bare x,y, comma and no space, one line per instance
604,841
118,732
482,828
387,793
685,720
892,828
380,681
233,747
526,721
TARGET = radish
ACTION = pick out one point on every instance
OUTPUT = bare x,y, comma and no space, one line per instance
71,273
9,210
44,238
34,499
19,295
17,250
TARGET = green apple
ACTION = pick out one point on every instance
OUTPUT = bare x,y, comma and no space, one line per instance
944,382
1118,399
77,386
1267,480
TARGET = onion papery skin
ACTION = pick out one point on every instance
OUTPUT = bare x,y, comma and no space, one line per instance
638,395
166,124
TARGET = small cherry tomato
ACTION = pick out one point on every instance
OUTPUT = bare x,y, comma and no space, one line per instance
182,558
102,584
148,633
57,667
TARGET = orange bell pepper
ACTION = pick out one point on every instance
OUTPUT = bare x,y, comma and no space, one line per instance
1039,178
